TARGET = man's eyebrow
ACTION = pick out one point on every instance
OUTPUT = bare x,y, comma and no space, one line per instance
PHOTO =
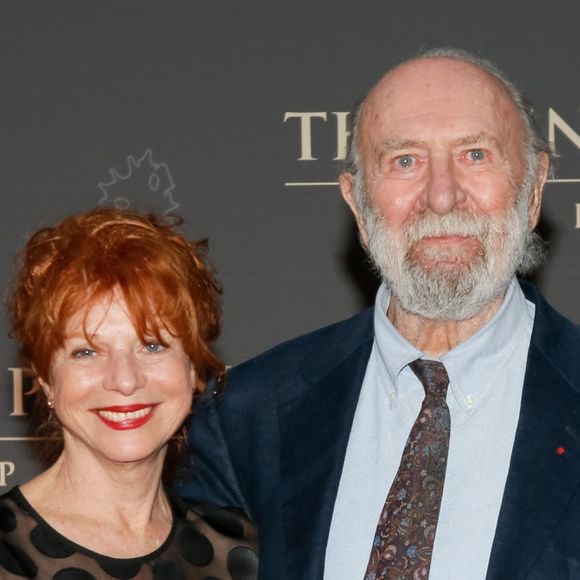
397,144
479,138
394,144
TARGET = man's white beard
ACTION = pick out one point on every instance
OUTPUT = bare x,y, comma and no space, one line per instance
449,291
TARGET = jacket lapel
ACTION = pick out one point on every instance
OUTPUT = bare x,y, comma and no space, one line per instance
314,432
544,469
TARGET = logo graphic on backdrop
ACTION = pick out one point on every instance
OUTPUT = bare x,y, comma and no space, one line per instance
17,428
144,184
312,127
322,137
7,469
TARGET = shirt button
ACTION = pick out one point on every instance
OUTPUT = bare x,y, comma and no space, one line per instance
470,400
392,396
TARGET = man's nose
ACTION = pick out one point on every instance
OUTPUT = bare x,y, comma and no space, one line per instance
124,372
443,192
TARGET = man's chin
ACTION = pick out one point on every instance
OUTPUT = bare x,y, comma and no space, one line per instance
447,269
447,293
445,259
444,267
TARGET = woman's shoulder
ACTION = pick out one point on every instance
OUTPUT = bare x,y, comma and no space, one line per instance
229,521
13,494
219,534
14,517
12,506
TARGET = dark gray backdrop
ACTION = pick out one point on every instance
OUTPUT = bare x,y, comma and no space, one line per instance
182,105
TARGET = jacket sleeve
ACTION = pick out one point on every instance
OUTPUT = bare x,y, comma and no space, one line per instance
211,475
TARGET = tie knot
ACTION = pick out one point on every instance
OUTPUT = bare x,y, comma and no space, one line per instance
433,377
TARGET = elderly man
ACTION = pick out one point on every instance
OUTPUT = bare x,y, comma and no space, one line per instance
438,435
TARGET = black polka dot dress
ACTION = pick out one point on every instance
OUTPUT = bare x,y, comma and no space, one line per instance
205,543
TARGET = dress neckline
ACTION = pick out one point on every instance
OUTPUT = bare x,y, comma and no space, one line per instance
22,502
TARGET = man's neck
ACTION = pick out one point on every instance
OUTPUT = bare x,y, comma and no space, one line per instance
436,337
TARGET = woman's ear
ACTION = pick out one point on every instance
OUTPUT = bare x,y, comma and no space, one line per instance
47,389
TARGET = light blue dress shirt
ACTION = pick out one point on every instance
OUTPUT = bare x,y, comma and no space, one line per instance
486,375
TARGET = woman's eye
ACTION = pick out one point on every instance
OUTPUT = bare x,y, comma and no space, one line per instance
153,347
405,161
476,155
84,353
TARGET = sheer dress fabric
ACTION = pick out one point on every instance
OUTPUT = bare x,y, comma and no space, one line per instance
205,543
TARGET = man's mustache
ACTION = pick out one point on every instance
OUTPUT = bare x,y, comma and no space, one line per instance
456,223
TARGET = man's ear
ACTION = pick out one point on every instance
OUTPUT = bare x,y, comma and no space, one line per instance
537,190
346,183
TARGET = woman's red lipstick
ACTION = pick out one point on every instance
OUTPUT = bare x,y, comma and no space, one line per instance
125,417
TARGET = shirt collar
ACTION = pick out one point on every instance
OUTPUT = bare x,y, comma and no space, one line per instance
474,365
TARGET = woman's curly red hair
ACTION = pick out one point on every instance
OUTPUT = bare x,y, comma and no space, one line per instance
164,279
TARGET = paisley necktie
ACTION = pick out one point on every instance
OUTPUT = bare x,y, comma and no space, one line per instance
405,533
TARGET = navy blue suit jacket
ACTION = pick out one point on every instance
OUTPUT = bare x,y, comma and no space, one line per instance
274,443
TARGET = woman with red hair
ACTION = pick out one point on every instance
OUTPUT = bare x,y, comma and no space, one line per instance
115,312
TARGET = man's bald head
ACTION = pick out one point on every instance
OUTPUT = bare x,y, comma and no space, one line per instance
532,142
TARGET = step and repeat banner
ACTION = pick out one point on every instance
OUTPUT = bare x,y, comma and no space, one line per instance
234,115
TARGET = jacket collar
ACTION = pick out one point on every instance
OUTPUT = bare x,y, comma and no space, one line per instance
312,466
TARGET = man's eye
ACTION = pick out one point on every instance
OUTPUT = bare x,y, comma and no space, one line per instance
153,347
405,161
84,353
476,155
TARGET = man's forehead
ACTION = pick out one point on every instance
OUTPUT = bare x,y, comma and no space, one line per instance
439,88
428,75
